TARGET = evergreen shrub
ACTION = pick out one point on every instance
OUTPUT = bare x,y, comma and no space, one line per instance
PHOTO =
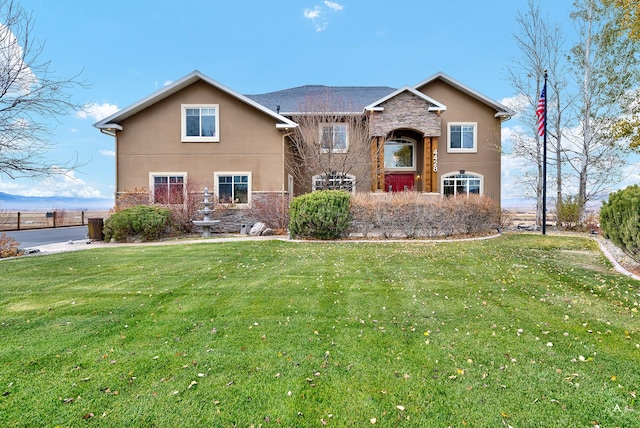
319,215
142,221
620,220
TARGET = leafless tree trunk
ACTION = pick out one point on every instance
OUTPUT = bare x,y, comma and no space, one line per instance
332,142
541,46
30,96
607,68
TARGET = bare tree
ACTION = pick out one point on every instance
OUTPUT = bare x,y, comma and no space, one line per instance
30,96
332,144
541,47
606,67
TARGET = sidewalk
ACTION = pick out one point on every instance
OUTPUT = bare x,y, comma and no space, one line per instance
87,244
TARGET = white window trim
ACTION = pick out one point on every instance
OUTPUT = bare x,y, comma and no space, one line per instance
152,175
216,182
413,152
334,150
348,176
475,137
183,118
454,173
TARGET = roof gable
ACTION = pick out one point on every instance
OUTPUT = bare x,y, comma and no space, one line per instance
502,111
113,122
433,104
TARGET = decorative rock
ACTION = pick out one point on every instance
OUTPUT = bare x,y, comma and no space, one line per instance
268,232
257,229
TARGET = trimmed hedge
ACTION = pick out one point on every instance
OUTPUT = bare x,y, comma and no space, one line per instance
620,220
319,215
142,221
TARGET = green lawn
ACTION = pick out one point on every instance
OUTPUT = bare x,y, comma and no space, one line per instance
522,330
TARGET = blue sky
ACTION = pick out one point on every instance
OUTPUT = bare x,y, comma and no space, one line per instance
127,49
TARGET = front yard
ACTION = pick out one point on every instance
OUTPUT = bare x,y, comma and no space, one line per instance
521,330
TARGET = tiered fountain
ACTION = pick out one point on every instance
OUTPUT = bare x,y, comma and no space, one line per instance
206,223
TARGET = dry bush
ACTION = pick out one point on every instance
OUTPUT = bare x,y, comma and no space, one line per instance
8,246
272,209
415,215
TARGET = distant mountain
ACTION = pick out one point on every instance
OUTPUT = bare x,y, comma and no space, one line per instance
17,203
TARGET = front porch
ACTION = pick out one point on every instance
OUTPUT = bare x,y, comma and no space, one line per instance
404,161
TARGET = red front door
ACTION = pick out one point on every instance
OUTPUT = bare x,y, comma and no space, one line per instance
398,182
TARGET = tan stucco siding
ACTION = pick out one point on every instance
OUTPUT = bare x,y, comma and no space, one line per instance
151,142
462,108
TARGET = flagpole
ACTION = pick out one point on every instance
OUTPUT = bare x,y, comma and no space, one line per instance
544,161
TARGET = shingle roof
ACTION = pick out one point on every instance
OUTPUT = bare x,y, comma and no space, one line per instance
344,99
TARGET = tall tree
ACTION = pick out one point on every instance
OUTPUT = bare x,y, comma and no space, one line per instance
30,96
541,46
606,69
330,144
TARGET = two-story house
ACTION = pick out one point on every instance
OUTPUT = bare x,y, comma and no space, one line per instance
438,136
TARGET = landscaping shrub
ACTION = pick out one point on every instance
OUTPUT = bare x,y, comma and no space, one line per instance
620,220
320,215
8,246
568,213
143,221
414,215
272,209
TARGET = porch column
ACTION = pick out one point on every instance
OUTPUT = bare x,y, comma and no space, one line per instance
434,164
377,163
374,163
426,164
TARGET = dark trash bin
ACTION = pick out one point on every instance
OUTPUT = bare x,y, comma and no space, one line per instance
95,229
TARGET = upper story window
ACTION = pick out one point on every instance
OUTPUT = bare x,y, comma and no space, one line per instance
334,138
168,189
462,137
200,123
400,155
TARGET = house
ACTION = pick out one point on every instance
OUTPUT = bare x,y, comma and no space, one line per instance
438,136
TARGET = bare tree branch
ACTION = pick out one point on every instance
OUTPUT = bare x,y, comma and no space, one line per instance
30,96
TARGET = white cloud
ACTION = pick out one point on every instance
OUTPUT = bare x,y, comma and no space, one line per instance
518,103
97,111
318,14
333,6
12,55
108,153
312,13
63,184
167,82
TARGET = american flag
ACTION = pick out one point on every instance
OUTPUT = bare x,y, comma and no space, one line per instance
541,112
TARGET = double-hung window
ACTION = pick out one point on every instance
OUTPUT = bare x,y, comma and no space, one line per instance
233,187
334,138
168,189
463,137
200,123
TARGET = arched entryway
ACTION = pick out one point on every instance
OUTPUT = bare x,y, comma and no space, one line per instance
400,164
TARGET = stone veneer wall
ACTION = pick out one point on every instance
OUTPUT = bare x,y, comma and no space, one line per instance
406,110
232,219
